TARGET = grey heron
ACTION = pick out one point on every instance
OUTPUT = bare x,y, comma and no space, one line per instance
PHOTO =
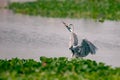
79,50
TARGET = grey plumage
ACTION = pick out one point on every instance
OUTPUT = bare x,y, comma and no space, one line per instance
75,39
84,48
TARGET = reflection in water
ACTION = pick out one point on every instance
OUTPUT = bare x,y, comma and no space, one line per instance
30,37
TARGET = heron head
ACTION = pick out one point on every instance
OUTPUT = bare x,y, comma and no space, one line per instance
71,27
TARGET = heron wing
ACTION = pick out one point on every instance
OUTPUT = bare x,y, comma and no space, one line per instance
85,48
88,46
93,48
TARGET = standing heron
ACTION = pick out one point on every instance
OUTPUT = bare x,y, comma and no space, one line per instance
79,50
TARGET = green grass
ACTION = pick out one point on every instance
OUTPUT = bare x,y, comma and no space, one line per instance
56,69
95,9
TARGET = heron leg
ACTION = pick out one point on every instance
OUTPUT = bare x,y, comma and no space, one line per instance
72,55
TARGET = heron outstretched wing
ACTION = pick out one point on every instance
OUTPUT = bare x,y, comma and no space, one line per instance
85,48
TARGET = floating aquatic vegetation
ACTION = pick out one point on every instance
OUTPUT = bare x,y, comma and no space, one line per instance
56,68
96,9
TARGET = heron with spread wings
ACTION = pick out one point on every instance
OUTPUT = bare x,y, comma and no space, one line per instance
79,50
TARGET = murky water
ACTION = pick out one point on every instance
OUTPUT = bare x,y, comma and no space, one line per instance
31,37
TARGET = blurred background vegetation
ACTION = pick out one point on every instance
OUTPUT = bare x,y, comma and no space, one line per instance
95,9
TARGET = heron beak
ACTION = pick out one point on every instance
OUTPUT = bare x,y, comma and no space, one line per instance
67,26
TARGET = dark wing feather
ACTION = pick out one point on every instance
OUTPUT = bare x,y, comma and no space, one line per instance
90,46
85,48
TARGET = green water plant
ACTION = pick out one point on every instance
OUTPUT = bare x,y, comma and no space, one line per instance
56,69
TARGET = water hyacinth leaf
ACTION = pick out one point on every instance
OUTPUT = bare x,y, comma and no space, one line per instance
56,68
